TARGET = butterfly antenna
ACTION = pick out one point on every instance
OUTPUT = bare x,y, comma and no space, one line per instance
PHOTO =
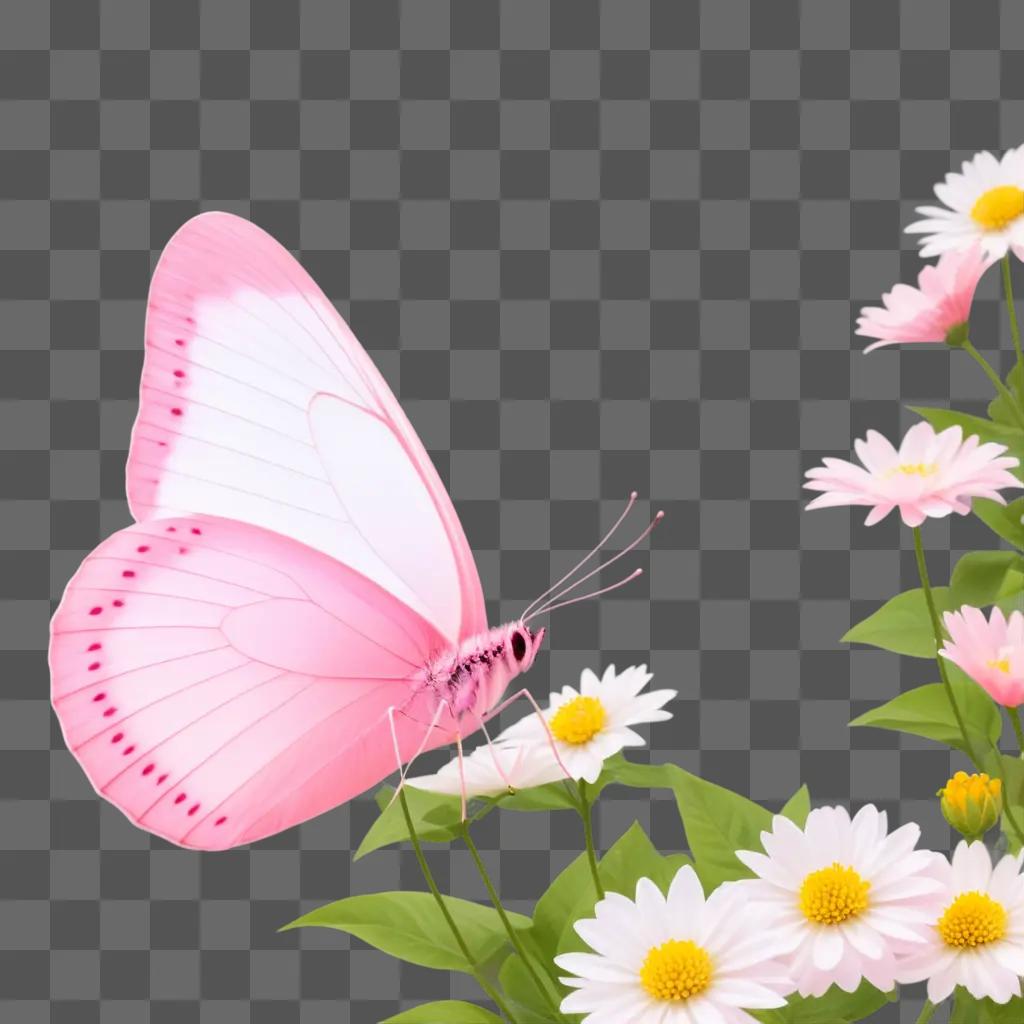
583,561
604,565
586,597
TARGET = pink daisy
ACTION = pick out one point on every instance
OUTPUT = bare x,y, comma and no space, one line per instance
930,475
936,310
990,651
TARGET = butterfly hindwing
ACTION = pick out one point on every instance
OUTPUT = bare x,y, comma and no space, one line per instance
220,682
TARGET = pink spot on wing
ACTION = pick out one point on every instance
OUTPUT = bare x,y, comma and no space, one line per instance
172,529
182,551
175,411
220,820
118,603
179,374
162,779
192,810
109,712
142,549
149,768
98,698
95,665
128,574
95,611
196,530
180,798
129,750
94,647
117,737
180,342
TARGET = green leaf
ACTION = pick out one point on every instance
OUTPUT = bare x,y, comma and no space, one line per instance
926,711
410,926
631,857
636,775
718,822
527,1003
982,578
968,1010
555,796
986,430
902,624
1010,770
834,1007
1003,520
798,806
559,904
448,1011
435,816
999,409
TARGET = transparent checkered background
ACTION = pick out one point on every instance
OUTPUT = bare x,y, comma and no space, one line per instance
595,246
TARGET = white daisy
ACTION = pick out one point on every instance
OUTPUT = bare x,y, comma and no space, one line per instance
983,203
490,770
594,722
977,938
853,896
676,959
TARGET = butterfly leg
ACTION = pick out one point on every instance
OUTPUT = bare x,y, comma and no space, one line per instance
543,721
403,769
494,756
462,773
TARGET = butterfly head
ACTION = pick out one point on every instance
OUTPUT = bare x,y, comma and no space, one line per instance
521,646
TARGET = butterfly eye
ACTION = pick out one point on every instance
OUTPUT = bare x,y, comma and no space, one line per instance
518,646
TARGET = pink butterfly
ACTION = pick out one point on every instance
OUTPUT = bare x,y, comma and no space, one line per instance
296,610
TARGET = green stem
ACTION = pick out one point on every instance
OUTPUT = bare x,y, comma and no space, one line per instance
446,914
1014,327
929,598
1001,388
511,932
1014,824
927,1012
1007,813
588,835
1014,714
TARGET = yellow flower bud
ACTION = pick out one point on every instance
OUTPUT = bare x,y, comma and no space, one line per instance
971,803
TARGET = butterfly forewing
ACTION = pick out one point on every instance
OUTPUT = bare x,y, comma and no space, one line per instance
240,343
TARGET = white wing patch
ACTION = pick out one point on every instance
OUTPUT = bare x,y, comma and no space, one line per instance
225,429
396,505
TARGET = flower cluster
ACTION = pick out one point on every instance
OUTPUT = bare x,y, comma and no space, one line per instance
839,902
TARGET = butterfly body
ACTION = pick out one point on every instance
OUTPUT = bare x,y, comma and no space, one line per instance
471,678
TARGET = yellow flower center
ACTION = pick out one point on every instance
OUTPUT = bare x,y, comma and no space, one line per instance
1003,664
914,469
675,971
972,919
833,895
579,721
998,206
